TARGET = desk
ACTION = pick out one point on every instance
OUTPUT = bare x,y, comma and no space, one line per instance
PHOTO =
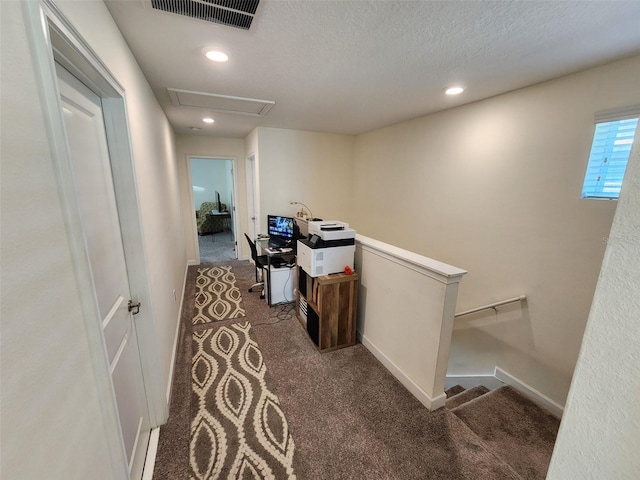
280,280
226,221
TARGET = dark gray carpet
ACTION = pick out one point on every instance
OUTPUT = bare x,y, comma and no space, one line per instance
465,396
514,428
216,247
456,389
349,417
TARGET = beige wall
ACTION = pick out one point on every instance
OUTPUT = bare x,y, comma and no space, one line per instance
309,167
50,404
598,436
201,146
494,188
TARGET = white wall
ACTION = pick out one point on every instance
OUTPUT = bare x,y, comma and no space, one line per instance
598,436
310,167
208,177
406,304
202,146
51,424
494,188
48,389
252,183
292,165
156,169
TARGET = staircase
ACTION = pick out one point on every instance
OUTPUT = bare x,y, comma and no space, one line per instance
509,425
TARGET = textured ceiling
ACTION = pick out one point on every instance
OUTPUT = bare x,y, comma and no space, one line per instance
354,66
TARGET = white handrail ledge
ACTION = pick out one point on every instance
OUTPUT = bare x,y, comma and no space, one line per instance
447,273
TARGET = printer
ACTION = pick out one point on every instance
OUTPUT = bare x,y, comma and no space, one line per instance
329,248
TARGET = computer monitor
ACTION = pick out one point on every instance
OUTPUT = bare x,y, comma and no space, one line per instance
280,227
218,202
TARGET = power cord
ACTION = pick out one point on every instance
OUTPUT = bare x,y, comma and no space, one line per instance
284,289
271,323
284,295
284,312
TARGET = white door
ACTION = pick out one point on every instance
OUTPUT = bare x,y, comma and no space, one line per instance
93,181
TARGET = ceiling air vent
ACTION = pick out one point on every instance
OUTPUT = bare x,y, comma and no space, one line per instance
234,13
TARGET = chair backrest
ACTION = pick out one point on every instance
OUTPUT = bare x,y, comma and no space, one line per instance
254,250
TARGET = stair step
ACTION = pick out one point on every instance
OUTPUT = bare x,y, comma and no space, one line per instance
514,429
451,391
466,396
473,460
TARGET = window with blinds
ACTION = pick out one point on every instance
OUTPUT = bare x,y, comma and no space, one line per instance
612,141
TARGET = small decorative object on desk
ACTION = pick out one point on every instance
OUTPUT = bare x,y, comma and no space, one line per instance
348,270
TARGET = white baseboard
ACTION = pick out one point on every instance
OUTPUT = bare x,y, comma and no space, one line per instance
152,450
470,381
530,392
191,263
416,391
176,336
500,378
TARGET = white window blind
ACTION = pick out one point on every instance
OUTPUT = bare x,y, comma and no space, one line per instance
612,141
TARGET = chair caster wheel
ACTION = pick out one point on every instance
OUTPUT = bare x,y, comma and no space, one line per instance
261,297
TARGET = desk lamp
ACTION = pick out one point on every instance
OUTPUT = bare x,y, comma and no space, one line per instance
311,217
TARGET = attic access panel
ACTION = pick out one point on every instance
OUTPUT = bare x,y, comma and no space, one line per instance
233,13
220,103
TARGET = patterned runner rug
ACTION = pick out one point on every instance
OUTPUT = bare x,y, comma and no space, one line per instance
217,297
238,430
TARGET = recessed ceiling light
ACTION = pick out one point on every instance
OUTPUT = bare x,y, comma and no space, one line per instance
208,120
216,56
195,129
454,90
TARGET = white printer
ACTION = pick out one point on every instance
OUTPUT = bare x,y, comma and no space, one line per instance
330,247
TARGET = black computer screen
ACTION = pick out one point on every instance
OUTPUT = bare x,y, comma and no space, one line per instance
278,226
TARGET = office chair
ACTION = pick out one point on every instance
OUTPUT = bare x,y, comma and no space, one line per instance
260,264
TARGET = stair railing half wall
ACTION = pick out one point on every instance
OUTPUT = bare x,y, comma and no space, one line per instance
406,308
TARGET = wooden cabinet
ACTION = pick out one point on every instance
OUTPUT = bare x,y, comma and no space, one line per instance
326,307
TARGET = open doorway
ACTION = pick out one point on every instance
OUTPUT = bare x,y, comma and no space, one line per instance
214,205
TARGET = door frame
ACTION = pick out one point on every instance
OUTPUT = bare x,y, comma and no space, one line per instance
234,210
53,38
253,195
